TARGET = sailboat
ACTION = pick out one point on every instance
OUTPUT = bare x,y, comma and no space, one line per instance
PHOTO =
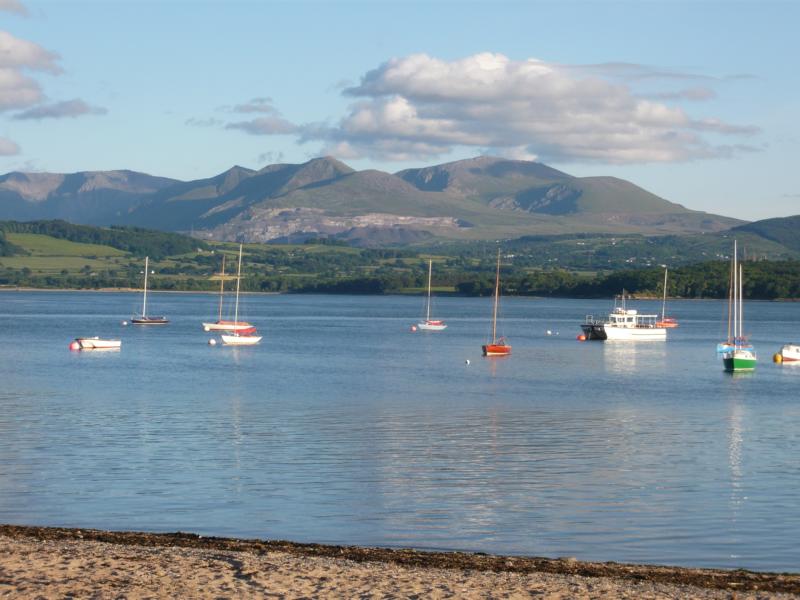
498,346
742,357
143,319
730,342
666,322
221,324
430,324
240,337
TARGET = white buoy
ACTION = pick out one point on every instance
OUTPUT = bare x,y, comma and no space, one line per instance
212,342
413,328
124,323
466,362
206,328
549,332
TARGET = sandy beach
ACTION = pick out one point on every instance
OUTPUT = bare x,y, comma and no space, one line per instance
38,562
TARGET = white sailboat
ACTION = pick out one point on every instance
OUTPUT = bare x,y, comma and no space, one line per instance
430,324
241,337
143,319
222,324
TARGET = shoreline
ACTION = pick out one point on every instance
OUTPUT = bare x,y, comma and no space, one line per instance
32,542
451,295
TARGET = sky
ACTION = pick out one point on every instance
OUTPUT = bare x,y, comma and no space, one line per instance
694,101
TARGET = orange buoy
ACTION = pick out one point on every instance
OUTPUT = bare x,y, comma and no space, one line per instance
74,345
581,337
413,328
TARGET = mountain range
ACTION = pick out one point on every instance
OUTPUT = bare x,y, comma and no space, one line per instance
479,198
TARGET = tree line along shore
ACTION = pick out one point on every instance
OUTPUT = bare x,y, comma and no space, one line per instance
59,255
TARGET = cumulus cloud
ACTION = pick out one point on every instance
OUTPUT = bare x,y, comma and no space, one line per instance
17,88
419,107
13,6
8,148
16,53
59,110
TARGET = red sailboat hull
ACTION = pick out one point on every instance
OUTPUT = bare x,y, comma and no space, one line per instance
496,350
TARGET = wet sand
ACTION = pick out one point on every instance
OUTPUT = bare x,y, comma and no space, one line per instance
45,562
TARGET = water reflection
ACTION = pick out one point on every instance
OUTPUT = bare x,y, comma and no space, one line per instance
351,430
628,358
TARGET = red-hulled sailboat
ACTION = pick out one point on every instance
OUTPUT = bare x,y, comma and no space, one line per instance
498,346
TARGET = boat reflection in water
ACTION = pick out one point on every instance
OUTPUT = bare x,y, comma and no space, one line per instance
628,359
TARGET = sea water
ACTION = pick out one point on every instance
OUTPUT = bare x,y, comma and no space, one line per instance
345,427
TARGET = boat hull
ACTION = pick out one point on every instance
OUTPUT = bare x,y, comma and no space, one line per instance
226,326
739,360
496,350
149,321
241,340
789,353
95,343
431,326
594,331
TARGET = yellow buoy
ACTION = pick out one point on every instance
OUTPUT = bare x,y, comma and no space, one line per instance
777,357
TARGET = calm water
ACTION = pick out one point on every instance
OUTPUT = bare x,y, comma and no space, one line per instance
344,427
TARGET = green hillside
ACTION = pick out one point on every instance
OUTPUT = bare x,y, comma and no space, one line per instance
576,264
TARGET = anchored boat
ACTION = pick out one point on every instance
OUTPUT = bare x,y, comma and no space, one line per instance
789,353
95,343
624,324
144,319
240,337
221,324
430,324
498,346
742,357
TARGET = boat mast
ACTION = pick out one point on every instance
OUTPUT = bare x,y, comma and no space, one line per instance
144,302
730,301
664,300
428,311
221,287
741,304
238,278
496,298
735,296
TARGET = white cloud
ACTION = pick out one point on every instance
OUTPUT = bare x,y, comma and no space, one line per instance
17,89
8,148
519,107
420,107
17,54
13,6
59,110
265,126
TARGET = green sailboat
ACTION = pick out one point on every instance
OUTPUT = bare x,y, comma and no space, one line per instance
742,357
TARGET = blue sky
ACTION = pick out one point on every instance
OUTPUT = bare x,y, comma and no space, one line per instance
694,101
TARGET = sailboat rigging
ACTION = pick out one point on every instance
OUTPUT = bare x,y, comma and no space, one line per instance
742,357
667,322
221,324
240,337
430,324
497,346
143,319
